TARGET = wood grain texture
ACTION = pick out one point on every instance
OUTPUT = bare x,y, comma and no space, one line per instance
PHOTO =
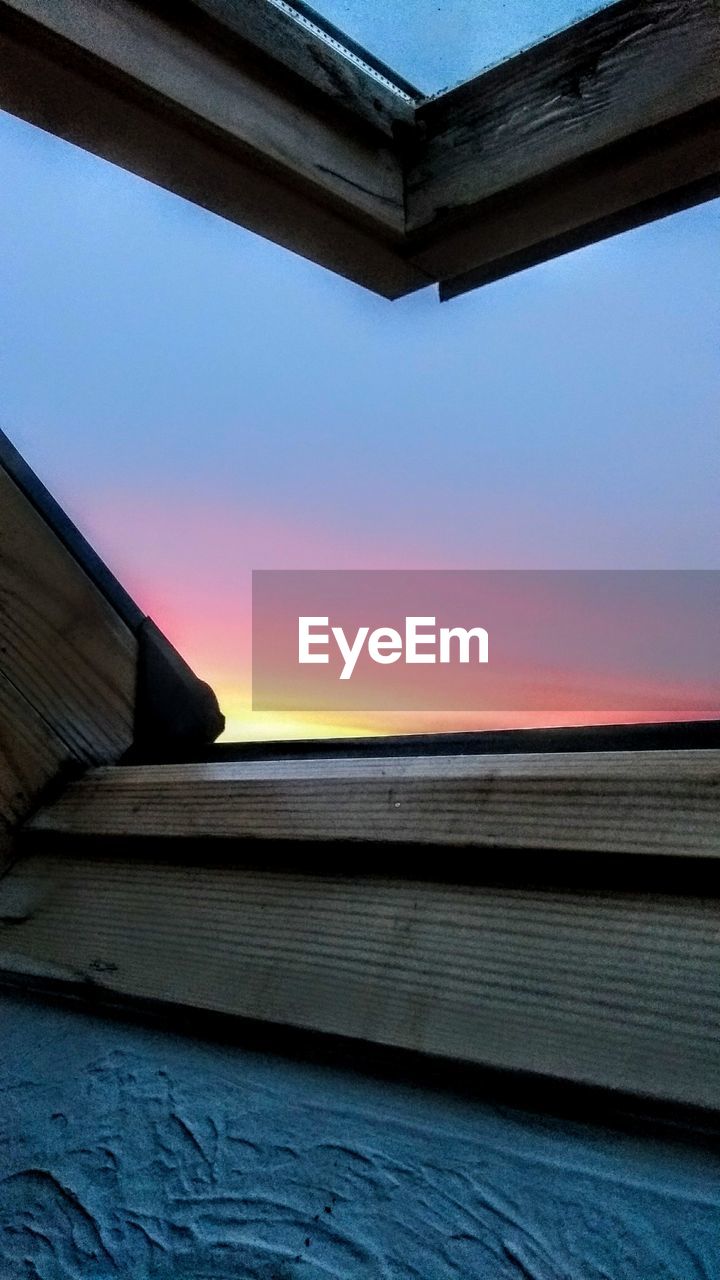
174,710
63,646
67,663
629,68
660,802
274,33
626,187
41,82
81,681
615,989
31,755
601,128
224,95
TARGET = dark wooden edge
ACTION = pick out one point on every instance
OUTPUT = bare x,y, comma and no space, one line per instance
467,244
359,50
276,34
673,735
602,226
48,80
507,866
62,526
174,710
536,1095
580,238
573,52
607,125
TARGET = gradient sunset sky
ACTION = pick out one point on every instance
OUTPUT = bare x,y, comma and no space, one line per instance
204,403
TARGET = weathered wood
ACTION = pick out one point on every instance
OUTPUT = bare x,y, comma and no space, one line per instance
630,67
174,710
614,989
234,106
668,735
83,674
230,99
622,188
30,753
31,756
63,646
275,34
127,85
657,803
608,125
67,663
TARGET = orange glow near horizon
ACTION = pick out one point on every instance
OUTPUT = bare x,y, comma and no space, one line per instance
202,601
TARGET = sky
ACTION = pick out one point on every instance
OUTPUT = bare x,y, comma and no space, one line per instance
205,403
436,44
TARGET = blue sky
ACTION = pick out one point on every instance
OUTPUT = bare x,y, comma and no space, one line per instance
204,402
438,43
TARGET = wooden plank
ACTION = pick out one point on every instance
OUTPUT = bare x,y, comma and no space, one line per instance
656,802
668,735
60,524
67,663
235,107
174,711
125,84
630,67
226,96
84,675
63,646
47,89
613,989
623,188
31,756
318,62
606,126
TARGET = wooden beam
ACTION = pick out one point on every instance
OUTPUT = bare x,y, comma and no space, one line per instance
239,108
32,755
174,711
67,663
84,675
124,41
166,883
356,81
631,66
633,185
606,125
217,126
63,646
614,802
617,989
671,735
